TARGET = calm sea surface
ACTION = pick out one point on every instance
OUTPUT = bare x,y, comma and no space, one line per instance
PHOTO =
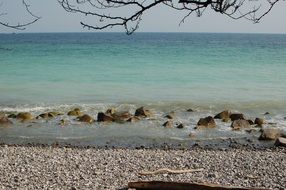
163,71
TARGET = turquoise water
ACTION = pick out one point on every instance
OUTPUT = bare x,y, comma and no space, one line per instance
165,71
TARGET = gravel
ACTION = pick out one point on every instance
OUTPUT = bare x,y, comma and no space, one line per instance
74,168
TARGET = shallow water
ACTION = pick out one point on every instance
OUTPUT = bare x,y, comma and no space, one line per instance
162,71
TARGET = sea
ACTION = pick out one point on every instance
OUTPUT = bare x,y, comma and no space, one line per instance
164,72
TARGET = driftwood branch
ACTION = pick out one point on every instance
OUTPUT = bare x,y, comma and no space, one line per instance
169,171
160,185
128,13
21,26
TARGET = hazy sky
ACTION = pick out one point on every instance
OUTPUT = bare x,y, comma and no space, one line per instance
161,19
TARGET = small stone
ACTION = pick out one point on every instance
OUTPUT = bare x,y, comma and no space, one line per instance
171,115
236,116
207,122
266,113
250,122
142,112
5,122
223,115
280,142
102,117
241,123
168,124
190,110
133,119
86,118
24,116
259,121
180,126
110,111
269,134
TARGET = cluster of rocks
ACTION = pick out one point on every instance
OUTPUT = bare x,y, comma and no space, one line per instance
239,122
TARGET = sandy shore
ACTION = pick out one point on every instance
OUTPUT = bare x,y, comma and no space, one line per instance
73,168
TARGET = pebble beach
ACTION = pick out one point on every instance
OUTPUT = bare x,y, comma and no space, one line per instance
38,167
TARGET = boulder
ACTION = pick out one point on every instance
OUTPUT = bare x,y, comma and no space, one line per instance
121,116
86,118
281,141
240,123
223,115
142,112
168,124
207,122
4,122
102,117
24,116
171,115
133,119
269,134
236,116
75,112
259,121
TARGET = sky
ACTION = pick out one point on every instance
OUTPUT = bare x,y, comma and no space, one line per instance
161,19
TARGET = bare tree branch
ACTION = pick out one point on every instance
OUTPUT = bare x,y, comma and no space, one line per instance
21,26
128,13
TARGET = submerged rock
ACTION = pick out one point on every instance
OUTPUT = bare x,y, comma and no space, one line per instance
259,121
266,113
12,115
269,134
25,116
240,123
86,118
133,119
142,112
110,111
75,112
4,121
168,124
236,116
207,122
171,115
121,116
102,117
224,115
190,110
281,141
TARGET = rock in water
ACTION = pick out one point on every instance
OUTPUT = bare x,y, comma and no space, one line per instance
86,118
236,116
121,116
4,122
171,115
110,111
269,134
259,121
168,124
75,112
207,122
241,123
133,119
250,122
280,142
180,126
142,112
223,115
102,117
24,116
